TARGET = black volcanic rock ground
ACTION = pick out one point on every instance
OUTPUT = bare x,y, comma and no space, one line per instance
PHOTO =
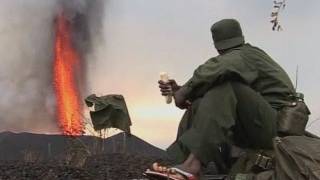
106,166
36,156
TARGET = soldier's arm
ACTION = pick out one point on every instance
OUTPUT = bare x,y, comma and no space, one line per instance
217,70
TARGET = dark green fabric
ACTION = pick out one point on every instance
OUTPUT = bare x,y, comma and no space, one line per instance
110,111
230,112
249,65
297,157
293,119
246,163
266,175
226,34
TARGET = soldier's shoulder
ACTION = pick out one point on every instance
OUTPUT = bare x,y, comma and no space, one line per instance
250,49
232,55
253,52
213,59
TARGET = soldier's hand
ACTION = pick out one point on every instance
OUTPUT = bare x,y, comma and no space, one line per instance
168,88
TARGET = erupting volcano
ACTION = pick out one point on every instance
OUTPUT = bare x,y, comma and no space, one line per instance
66,73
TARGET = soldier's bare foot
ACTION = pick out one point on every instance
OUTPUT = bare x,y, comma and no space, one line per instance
192,166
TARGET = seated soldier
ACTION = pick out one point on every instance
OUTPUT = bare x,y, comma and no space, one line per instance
232,99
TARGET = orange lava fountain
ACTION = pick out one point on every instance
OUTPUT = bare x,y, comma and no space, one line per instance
65,70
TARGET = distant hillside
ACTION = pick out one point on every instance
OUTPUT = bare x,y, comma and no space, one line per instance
14,146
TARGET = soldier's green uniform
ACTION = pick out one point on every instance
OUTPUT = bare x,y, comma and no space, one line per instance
235,99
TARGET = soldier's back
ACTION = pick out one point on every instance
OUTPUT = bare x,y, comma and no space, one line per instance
272,82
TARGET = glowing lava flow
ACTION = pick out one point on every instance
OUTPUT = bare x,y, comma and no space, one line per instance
66,66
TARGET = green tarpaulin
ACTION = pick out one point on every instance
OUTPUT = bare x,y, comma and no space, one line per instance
110,111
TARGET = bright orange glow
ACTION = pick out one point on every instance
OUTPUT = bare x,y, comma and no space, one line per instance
66,65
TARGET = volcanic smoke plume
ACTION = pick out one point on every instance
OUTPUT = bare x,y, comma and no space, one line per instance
44,45
70,46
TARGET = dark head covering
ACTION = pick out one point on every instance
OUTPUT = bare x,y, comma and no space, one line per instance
226,34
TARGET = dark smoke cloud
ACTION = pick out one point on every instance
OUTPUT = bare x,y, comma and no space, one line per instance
27,100
85,17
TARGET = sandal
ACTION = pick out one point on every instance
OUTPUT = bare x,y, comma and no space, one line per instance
170,175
